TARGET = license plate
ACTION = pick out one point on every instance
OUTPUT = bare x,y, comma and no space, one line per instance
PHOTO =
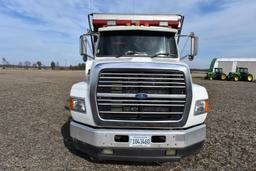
139,141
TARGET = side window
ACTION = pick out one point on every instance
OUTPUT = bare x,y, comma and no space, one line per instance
173,47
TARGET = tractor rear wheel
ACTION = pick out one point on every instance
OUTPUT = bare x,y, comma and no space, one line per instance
235,78
223,77
249,77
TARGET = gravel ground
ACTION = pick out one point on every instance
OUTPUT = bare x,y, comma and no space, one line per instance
33,126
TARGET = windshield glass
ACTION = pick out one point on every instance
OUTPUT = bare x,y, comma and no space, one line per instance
137,43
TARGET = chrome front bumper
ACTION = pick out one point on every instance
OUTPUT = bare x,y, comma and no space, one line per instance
106,137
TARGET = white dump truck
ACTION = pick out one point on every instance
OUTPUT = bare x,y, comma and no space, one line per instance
137,101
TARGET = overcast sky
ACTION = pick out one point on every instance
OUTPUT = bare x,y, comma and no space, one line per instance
48,30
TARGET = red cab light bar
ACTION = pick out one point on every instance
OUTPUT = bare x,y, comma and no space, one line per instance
163,20
103,23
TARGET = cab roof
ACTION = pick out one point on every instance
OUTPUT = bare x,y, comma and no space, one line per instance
143,28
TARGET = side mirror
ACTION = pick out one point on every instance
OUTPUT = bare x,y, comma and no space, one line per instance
83,47
194,46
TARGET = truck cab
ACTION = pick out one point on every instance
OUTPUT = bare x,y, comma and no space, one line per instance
137,102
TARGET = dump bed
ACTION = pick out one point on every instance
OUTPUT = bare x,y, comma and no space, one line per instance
97,20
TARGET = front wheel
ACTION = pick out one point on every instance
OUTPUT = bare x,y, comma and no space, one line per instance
235,78
249,77
223,77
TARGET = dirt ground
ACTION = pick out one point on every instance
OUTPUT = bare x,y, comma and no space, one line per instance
34,130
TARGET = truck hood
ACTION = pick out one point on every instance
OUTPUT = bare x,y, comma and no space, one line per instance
138,60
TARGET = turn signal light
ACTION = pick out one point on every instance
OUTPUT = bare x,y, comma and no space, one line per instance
206,105
71,104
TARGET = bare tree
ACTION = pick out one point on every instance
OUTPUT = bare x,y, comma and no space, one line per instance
39,64
5,62
53,65
27,64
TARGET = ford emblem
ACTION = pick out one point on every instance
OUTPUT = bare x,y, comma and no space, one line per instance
141,96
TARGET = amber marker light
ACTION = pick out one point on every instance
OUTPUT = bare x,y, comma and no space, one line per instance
206,105
71,103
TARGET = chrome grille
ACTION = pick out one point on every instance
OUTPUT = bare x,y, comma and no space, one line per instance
165,90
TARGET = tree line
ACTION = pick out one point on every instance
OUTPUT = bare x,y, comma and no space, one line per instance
39,65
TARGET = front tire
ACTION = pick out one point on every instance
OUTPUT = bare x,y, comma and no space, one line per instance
223,77
235,78
249,77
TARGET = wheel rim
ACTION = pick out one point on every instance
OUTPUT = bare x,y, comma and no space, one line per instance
249,78
223,77
236,78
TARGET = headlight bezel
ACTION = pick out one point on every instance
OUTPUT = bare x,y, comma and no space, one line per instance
77,104
201,107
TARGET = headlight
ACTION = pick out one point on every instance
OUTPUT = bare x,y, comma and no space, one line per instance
201,107
77,104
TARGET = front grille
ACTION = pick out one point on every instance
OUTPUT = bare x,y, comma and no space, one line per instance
117,91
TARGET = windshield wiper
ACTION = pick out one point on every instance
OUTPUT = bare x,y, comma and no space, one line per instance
165,54
130,52
127,53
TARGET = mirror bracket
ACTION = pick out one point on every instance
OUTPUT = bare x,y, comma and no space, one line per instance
190,57
85,58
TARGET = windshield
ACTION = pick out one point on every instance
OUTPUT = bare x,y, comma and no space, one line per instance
137,43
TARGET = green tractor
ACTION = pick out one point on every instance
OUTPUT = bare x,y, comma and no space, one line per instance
216,74
241,74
